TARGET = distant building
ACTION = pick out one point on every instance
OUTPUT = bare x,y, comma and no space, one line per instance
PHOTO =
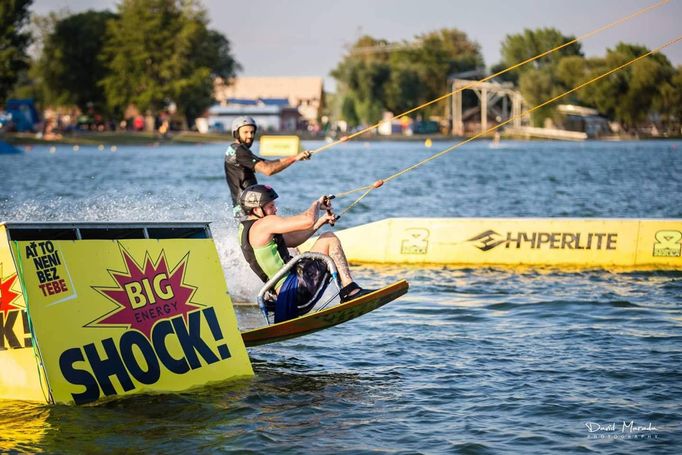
306,94
583,119
271,115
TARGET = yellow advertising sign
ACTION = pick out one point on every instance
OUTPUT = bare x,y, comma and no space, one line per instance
120,317
19,378
591,242
279,145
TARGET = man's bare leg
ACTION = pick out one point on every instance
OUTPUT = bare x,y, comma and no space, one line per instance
329,244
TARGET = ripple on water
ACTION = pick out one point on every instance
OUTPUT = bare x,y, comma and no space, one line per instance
488,360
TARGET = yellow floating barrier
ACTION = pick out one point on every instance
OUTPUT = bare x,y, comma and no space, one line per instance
96,310
279,145
572,242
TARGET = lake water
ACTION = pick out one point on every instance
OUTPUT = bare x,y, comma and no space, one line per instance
470,361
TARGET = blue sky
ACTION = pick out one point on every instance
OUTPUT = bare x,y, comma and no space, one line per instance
309,37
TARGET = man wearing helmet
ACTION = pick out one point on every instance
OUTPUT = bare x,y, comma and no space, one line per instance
241,164
265,236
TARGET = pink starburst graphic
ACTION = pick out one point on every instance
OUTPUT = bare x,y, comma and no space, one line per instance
145,295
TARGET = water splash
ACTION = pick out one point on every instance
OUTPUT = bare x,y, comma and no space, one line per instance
242,283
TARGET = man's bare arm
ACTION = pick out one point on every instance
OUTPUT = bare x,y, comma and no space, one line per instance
263,230
294,239
271,167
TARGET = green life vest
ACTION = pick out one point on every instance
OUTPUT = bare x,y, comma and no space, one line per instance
266,260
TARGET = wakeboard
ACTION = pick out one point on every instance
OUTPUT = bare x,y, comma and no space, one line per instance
323,319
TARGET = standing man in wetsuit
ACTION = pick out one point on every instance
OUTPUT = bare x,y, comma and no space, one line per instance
241,164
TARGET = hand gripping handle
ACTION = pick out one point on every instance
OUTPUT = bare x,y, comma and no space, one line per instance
326,200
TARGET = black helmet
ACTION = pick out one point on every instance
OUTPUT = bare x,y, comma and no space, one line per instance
243,120
256,196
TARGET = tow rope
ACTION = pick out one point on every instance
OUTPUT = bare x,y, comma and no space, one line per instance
378,183
474,83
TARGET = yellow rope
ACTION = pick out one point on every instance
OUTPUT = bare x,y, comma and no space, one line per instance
473,84
378,183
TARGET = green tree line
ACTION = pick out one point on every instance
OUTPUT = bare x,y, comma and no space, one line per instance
14,40
377,75
154,53
148,54
650,89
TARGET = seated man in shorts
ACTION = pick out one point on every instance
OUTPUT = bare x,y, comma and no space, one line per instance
265,236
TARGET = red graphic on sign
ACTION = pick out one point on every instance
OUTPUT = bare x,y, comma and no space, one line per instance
7,296
148,294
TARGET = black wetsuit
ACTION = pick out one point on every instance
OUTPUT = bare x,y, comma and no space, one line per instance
240,164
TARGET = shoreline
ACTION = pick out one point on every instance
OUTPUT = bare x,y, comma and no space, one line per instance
186,137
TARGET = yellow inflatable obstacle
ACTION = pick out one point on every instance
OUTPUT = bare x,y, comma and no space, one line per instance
570,242
91,310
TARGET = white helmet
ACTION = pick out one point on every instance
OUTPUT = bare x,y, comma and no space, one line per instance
240,121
